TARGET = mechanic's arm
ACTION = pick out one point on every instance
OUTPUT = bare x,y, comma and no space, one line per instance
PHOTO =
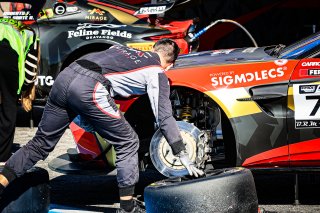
159,91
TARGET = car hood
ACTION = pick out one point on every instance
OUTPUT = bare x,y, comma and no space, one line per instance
224,56
36,5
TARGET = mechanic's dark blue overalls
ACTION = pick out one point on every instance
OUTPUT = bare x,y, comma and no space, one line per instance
84,88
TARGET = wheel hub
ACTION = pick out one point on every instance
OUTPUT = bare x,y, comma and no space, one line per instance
162,156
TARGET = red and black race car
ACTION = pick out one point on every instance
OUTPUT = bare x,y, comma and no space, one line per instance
256,107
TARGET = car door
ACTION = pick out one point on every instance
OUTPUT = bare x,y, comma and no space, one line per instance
304,114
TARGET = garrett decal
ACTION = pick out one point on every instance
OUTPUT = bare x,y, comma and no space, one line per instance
311,64
98,34
98,17
228,78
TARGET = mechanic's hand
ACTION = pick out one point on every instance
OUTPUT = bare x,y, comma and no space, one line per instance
26,103
192,169
27,97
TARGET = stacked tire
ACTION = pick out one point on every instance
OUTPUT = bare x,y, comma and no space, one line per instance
222,190
28,193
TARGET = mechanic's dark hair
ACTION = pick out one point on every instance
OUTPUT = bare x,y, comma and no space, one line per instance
168,49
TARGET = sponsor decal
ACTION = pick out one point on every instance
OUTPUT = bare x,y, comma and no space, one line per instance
101,33
250,50
96,15
226,51
314,72
309,72
281,62
20,15
151,10
306,105
59,9
311,64
96,26
44,80
72,9
228,78
47,13
132,54
141,46
96,11
307,89
303,72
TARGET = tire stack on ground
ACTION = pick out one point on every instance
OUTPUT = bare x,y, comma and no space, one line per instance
222,190
29,193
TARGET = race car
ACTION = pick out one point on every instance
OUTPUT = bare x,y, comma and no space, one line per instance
71,29
256,107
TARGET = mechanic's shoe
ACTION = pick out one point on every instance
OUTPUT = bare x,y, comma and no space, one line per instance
138,208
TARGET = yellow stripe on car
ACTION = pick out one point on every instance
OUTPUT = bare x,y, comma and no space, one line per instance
227,100
290,98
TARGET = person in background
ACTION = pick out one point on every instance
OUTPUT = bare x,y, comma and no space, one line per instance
86,88
18,69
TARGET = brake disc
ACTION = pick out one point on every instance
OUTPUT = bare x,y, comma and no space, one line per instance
162,156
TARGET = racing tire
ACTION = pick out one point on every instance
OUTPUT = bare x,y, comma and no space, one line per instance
221,190
28,193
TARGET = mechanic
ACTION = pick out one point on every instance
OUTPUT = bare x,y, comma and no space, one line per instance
86,88
18,69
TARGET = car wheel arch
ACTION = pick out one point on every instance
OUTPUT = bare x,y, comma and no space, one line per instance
141,118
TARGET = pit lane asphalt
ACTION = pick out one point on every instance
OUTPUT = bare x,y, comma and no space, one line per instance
100,194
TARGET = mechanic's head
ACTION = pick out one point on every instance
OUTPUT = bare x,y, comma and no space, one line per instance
168,52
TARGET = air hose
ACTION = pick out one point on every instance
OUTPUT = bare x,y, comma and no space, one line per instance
198,34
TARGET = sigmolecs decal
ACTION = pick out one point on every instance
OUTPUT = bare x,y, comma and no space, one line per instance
306,105
99,31
228,78
241,75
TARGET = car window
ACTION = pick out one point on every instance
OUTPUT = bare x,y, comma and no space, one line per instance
302,49
17,11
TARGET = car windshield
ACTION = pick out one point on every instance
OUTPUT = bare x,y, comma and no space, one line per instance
301,47
17,11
